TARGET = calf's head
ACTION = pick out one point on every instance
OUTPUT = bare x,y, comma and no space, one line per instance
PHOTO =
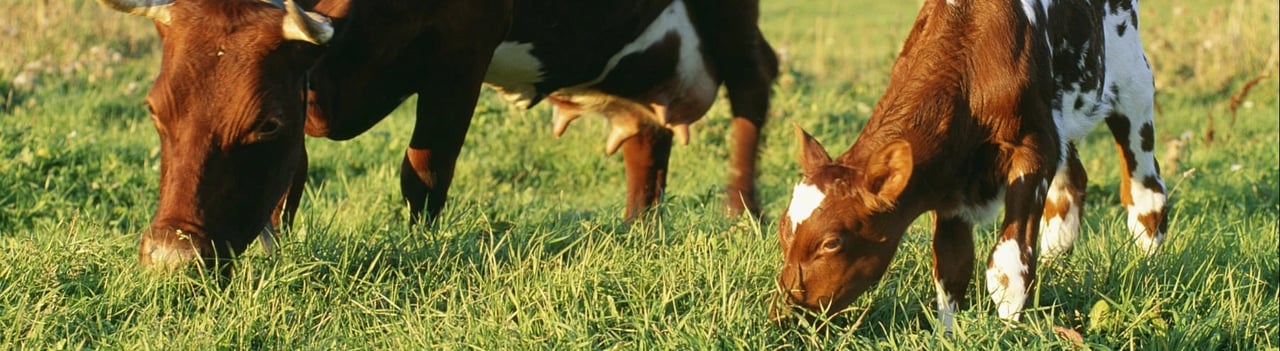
228,105
841,229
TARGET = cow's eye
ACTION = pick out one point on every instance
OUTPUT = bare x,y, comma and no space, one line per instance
267,128
832,244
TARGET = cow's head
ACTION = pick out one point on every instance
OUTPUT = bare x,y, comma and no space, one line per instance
228,104
840,230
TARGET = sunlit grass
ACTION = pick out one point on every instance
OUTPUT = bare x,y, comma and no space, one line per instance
531,253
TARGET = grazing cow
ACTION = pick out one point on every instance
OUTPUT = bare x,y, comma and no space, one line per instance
651,67
242,80
983,105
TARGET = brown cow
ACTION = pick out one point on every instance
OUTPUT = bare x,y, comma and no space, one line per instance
229,101
229,107
651,67
983,105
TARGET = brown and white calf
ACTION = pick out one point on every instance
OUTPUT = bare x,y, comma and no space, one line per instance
983,105
242,80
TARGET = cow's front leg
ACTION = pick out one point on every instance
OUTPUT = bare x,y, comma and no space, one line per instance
427,170
285,210
646,156
1011,268
444,113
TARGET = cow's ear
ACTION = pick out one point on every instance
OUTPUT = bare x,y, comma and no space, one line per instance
887,174
812,154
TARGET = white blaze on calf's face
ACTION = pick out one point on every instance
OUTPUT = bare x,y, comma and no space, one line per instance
804,200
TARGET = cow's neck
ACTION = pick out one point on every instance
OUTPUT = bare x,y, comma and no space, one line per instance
925,104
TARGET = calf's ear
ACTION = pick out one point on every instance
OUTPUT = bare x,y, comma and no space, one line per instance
887,174
812,154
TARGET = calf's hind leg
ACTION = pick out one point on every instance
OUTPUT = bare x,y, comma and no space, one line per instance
1141,190
1132,123
1060,223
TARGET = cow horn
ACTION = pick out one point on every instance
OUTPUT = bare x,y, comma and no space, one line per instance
304,25
156,10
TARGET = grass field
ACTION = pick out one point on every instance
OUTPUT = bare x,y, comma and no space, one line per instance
532,254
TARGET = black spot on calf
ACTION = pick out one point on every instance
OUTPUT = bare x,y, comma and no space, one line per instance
1147,133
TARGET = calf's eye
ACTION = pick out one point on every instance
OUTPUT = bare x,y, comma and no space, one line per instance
832,244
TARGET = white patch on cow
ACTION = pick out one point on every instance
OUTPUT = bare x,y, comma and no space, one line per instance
1058,234
946,306
1005,280
1147,245
1075,123
673,18
673,104
696,90
805,198
952,2
982,212
514,71
1145,202
1030,7
1127,70
691,67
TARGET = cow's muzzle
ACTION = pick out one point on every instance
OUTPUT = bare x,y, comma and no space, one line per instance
169,249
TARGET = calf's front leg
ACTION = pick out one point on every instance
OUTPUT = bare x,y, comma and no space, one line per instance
952,264
1011,268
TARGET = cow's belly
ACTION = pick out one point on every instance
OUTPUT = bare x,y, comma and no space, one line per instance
664,65
974,210
513,73
661,78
